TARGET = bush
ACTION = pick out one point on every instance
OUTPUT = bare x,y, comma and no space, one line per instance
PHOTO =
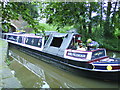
117,33
111,44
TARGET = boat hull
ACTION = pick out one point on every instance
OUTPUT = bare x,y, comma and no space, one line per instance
65,64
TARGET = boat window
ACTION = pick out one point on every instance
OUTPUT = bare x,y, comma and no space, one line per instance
46,38
57,41
20,39
72,45
98,54
4,36
28,41
13,38
37,42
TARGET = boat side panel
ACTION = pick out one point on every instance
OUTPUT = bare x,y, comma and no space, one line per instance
59,51
77,55
34,42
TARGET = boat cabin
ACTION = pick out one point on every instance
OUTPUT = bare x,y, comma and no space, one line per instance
57,43
67,45
70,46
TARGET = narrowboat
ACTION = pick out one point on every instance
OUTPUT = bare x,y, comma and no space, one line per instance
60,47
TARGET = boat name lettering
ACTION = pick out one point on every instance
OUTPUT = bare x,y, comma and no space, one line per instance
77,55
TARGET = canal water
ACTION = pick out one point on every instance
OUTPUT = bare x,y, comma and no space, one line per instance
113,54
35,73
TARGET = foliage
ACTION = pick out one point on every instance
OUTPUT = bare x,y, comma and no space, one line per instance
47,27
13,10
103,26
112,44
65,29
79,14
117,33
8,61
41,27
64,13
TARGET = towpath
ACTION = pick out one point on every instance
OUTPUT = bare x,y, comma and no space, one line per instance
7,79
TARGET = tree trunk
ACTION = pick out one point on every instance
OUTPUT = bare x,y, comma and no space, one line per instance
90,18
114,12
101,16
84,28
107,23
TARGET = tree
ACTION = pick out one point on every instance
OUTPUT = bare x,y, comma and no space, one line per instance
27,10
67,13
107,32
60,14
78,14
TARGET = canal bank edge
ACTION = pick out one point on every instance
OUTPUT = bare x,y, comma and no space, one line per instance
7,79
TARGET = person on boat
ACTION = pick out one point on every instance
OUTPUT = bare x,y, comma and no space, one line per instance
92,44
81,46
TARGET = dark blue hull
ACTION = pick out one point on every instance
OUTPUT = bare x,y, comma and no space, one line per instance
67,64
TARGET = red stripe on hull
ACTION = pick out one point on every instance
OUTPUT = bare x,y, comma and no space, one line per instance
115,67
97,59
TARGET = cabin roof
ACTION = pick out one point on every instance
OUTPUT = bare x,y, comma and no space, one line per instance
26,35
59,34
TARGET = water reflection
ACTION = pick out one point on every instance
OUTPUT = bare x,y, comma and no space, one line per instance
31,67
34,73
